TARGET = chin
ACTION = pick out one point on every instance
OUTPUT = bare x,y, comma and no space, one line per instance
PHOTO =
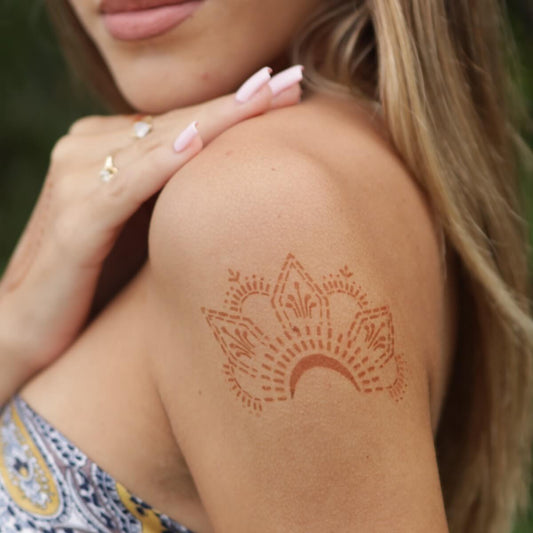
156,98
209,55
155,88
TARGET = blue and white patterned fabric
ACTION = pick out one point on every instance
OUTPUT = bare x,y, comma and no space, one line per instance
49,485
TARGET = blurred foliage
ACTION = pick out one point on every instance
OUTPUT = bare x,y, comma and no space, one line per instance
39,101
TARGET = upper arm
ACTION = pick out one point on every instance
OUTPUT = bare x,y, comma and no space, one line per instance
291,351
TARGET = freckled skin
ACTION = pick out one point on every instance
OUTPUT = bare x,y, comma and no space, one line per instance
265,366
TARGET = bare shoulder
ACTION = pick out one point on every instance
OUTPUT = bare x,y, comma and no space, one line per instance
299,277
319,182
321,151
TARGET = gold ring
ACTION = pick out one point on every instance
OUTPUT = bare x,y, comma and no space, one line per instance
109,171
142,126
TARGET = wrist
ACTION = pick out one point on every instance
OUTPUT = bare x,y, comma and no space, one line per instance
18,352
16,369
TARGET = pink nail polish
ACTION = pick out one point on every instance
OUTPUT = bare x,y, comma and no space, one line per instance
186,136
284,79
253,84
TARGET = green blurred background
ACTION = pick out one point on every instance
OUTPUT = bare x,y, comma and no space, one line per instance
39,101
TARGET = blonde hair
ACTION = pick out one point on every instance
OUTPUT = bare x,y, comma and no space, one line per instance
439,74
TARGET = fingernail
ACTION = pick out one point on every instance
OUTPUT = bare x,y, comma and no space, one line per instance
253,84
284,79
186,136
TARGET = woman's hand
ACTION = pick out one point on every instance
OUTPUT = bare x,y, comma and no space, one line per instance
48,286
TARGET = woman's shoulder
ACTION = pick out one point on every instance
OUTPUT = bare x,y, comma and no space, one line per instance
300,303
315,173
317,182
326,149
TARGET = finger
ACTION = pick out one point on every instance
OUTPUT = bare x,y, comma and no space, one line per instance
288,97
277,91
97,124
95,148
138,178
145,166
101,124
225,112
214,116
285,79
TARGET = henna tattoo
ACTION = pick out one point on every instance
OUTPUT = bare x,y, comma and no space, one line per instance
263,367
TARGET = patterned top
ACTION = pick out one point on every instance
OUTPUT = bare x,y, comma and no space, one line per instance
49,485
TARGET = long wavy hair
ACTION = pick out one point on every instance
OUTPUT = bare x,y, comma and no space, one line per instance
440,73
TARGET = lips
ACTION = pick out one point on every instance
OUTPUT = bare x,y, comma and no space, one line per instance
121,6
132,20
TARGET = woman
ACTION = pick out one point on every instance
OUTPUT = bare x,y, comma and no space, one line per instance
321,323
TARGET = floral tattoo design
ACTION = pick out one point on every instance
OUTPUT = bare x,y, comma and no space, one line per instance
263,367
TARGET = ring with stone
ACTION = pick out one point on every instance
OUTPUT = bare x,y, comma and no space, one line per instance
142,126
109,171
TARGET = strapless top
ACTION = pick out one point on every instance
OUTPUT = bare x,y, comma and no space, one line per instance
49,485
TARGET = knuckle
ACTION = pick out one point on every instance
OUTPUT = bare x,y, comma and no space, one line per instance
61,149
63,189
152,144
129,187
154,163
214,112
114,190
86,124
